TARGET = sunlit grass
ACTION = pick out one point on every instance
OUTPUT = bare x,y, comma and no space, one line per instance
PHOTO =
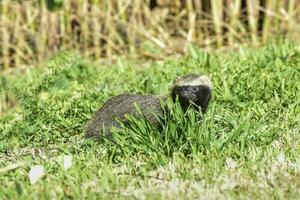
245,146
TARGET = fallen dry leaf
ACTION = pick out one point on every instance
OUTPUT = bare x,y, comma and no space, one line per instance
36,172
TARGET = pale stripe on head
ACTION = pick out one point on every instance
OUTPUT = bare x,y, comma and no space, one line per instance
192,80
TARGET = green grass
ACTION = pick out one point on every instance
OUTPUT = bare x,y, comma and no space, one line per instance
247,145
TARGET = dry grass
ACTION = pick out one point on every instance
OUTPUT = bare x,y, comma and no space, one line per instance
99,28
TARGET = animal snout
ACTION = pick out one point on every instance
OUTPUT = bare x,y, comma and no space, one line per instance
185,95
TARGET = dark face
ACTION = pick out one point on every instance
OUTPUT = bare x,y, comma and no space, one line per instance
198,95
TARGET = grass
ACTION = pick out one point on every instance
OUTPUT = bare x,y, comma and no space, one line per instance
247,145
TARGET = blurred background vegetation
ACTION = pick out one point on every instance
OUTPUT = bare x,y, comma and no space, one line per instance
32,30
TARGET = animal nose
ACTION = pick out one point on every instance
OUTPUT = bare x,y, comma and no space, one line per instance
185,95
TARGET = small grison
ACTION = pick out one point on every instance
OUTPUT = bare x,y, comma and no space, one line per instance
190,90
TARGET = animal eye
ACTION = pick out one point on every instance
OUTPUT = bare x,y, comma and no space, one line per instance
194,89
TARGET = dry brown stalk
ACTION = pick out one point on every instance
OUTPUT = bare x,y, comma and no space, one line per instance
105,29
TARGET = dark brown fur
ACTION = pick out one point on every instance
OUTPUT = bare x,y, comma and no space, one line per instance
115,109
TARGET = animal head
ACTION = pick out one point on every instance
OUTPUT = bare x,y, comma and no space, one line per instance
192,89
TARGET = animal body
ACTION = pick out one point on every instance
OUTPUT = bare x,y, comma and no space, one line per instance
190,90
